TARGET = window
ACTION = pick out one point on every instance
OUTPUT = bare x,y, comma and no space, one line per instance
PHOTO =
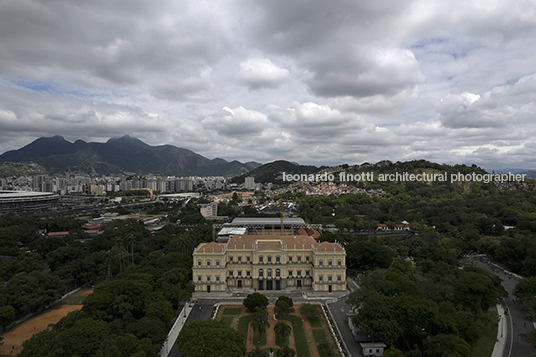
277,260
217,263
307,273
330,264
269,260
208,279
319,287
218,279
198,279
247,260
230,274
261,260
240,273
320,263
208,263
338,278
307,259
299,259
290,282
277,273
248,282
261,273
269,273
239,260
199,287
217,287
247,274
329,279
230,259
230,282
338,287
199,264
290,260
299,273
338,264
320,278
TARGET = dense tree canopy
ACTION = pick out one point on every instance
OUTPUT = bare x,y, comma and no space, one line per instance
210,339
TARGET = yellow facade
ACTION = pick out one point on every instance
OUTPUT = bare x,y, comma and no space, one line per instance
256,262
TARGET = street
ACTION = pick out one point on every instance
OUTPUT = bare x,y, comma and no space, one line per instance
517,322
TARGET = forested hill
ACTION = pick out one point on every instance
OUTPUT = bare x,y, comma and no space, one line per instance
272,172
125,154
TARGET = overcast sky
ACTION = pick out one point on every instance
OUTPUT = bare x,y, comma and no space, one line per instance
317,82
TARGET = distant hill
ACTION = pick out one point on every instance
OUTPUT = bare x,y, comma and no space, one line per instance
125,154
271,172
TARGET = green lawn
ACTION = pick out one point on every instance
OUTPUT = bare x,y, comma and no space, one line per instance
315,322
243,324
302,346
320,336
232,311
227,319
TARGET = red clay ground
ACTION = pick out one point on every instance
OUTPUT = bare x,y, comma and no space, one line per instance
37,324
40,322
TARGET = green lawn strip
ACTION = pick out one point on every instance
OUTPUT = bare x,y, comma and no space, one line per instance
320,335
315,322
302,347
232,311
259,340
227,319
325,350
243,325
488,326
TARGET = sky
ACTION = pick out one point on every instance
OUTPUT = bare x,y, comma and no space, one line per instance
314,82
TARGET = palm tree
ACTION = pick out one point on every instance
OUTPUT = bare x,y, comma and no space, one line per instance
258,353
282,309
286,351
259,320
282,330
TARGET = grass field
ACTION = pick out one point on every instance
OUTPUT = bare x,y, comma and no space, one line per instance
302,345
232,311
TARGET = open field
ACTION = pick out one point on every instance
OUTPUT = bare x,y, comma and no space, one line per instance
36,324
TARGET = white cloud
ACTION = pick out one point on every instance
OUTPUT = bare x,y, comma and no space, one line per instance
261,72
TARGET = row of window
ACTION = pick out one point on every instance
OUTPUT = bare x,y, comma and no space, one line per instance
269,275
261,261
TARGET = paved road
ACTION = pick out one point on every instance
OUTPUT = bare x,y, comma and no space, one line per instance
201,311
339,311
517,322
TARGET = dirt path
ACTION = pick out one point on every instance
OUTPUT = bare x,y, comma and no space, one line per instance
313,347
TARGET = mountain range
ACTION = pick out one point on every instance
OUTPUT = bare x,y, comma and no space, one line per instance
121,155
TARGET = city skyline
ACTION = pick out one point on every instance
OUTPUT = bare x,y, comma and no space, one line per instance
320,83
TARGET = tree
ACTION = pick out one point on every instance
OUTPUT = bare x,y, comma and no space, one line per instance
210,339
282,331
259,321
255,300
286,299
282,309
258,353
286,352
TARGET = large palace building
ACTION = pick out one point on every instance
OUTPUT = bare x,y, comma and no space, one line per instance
270,262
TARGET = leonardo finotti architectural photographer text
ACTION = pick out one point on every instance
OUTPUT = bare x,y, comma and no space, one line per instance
406,177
